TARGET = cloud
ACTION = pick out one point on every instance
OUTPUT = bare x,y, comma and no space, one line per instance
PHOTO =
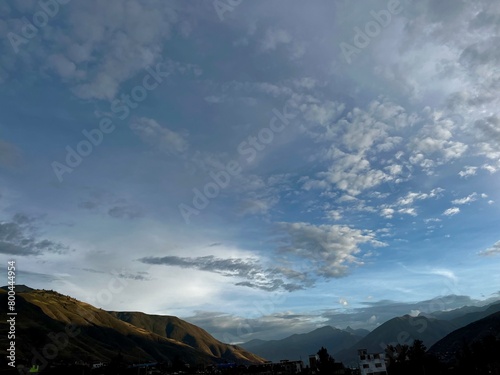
96,46
491,251
161,137
468,171
349,172
334,215
490,127
254,274
451,211
322,113
465,200
408,211
402,204
445,273
325,250
20,237
258,206
437,140
125,212
411,197
122,274
101,201
274,37
108,43
387,213
351,146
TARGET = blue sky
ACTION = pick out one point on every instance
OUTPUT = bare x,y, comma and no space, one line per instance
273,165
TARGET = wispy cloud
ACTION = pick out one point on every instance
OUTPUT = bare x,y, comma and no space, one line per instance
491,251
151,132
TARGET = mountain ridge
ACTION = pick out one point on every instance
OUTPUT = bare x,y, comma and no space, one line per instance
99,335
301,345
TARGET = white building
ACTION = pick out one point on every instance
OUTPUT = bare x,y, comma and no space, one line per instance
371,364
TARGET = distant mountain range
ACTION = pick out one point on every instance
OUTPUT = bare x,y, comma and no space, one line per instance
47,317
302,345
343,344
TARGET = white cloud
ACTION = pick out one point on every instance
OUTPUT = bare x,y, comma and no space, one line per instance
491,251
432,220
468,171
451,211
153,133
465,200
445,273
326,250
321,113
411,197
387,213
334,214
408,211
351,173
490,168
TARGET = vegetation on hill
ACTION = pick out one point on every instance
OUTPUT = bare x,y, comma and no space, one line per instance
82,331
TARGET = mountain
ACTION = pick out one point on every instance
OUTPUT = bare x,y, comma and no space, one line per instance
462,321
466,314
402,330
358,332
253,343
82,331
302,345
177,329
451,343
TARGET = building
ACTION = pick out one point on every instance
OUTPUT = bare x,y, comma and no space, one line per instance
371,364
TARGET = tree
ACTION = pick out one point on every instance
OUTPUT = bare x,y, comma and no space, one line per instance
404,359
326,363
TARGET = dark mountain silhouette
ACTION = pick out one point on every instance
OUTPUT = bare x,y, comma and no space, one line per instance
82,331
302,345
402,330
473,332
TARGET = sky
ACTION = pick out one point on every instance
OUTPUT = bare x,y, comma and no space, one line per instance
259,168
